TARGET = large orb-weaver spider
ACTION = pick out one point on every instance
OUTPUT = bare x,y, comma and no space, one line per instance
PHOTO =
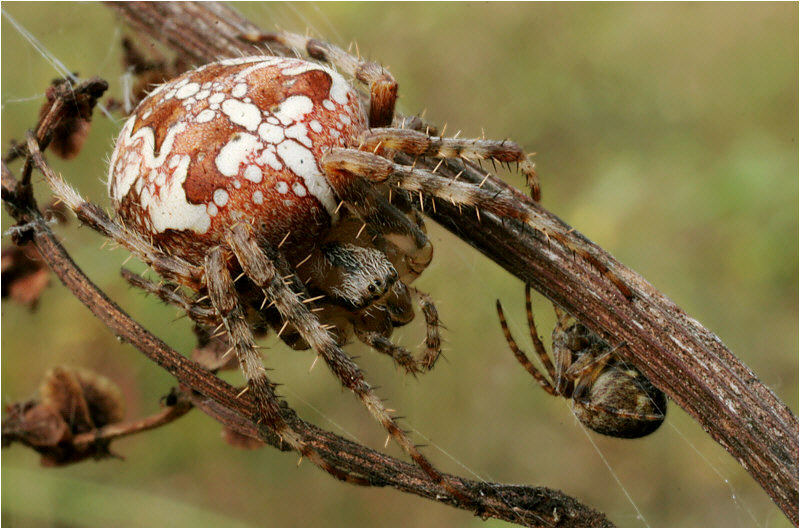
243,167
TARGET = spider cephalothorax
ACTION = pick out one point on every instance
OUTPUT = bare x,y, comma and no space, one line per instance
608,395
270,171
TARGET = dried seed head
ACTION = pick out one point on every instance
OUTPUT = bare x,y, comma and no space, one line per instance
72,401
234,141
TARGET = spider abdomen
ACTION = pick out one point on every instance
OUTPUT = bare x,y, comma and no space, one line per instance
237,140
622,403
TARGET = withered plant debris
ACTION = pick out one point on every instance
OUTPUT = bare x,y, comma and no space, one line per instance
24,275
70,131
71,401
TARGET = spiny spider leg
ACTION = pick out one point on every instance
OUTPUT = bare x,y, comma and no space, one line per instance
421,144
382,86
173,295
225,300
379,169
265,266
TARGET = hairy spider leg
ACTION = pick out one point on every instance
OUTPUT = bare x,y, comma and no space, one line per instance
375,329
226,302
382,86
421,144
265,266
433,341
419,181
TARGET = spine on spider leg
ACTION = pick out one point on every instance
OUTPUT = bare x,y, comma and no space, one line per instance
225,300
257,263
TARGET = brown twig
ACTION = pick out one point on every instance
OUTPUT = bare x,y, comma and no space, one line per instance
674,351
170,413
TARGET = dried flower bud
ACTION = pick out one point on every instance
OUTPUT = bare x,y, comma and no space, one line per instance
72,401
72,126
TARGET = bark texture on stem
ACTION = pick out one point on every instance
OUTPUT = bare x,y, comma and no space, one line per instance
672,349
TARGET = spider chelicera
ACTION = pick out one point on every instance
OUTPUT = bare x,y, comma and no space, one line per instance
609,396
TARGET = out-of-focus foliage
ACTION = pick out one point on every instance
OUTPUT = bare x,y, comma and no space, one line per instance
664,132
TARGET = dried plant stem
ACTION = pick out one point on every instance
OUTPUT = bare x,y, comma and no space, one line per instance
673,350
113,431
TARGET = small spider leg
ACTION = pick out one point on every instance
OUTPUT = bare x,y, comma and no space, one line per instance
585,373
375,324
522,357
426,183
172,294
226,302
433,340
420,144
264,266
382,86
171,267
537,342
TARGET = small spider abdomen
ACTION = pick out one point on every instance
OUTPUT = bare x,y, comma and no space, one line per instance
621,403
237,140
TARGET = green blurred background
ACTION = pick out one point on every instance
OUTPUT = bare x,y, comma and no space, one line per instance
667,133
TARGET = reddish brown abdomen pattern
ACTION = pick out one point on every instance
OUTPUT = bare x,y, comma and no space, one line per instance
237,140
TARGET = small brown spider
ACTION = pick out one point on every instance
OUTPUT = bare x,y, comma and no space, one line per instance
263,186
608,395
